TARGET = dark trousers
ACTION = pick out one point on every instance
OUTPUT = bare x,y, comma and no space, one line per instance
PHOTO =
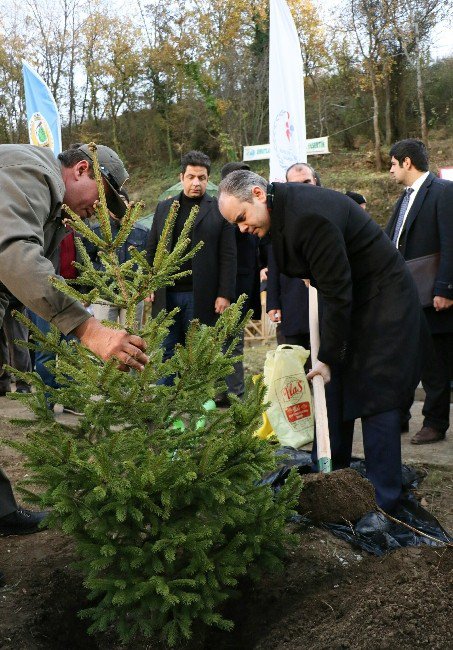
7,501
235,381
177,332
436,377
299,339
381,442
10,352
42,357
293,339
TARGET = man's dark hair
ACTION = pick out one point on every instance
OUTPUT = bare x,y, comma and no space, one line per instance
355,196
233,167
413,149
73,155
196,159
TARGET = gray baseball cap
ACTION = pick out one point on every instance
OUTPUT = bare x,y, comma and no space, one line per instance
114,172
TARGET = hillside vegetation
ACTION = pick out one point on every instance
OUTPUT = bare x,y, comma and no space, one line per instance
340,170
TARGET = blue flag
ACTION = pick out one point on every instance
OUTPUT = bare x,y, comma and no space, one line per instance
43,119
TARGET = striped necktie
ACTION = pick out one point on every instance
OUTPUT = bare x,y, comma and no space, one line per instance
401,213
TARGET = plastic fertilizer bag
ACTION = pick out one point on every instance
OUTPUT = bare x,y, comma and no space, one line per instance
291,412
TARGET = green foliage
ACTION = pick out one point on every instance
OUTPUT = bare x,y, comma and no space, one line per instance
166,519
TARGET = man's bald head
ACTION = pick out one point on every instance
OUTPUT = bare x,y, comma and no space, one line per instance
301,173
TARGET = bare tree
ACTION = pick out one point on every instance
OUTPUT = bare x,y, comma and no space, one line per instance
370,24
413,21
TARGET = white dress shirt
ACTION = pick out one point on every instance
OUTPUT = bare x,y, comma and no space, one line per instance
416,185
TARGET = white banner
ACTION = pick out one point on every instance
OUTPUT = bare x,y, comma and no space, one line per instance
287,132
315,146
257,152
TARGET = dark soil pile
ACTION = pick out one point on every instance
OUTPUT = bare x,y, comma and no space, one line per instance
337,497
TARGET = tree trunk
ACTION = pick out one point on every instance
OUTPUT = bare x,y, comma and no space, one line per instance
421,93
116,144
417,61
388,114
377,135
398,96
168,136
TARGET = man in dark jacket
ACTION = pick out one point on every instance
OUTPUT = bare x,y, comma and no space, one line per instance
422,224
211,286
287,298
371,322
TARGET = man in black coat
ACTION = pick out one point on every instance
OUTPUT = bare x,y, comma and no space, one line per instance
422,224
371,322
287,298
211,286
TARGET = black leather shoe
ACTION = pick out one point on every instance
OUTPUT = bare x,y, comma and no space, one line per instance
222,402
22,522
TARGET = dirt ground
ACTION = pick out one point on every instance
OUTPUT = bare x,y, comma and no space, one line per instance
330,595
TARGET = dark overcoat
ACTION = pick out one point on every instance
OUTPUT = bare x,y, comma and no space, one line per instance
248,271
213,267
290,295
428,229
372,321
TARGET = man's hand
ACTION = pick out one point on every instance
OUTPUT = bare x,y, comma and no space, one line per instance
275,315
322,369
440,303
107,343
221,304
263,275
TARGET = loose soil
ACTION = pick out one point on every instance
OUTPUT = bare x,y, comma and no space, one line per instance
330,595
338,497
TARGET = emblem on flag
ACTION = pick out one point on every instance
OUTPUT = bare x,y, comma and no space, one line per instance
39,131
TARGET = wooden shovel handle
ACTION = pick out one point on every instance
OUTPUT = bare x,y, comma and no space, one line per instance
319,394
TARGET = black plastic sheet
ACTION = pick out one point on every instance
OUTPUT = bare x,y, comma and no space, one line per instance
379,535
374,532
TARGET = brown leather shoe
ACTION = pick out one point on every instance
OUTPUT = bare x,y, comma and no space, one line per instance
426,435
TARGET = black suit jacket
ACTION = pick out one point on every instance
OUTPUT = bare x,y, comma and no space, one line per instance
290,295
213,267
429,229
248,271
372,320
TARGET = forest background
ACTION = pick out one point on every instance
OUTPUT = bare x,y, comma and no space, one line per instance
155,79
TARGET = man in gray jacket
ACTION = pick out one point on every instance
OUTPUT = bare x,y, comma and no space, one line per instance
34,185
